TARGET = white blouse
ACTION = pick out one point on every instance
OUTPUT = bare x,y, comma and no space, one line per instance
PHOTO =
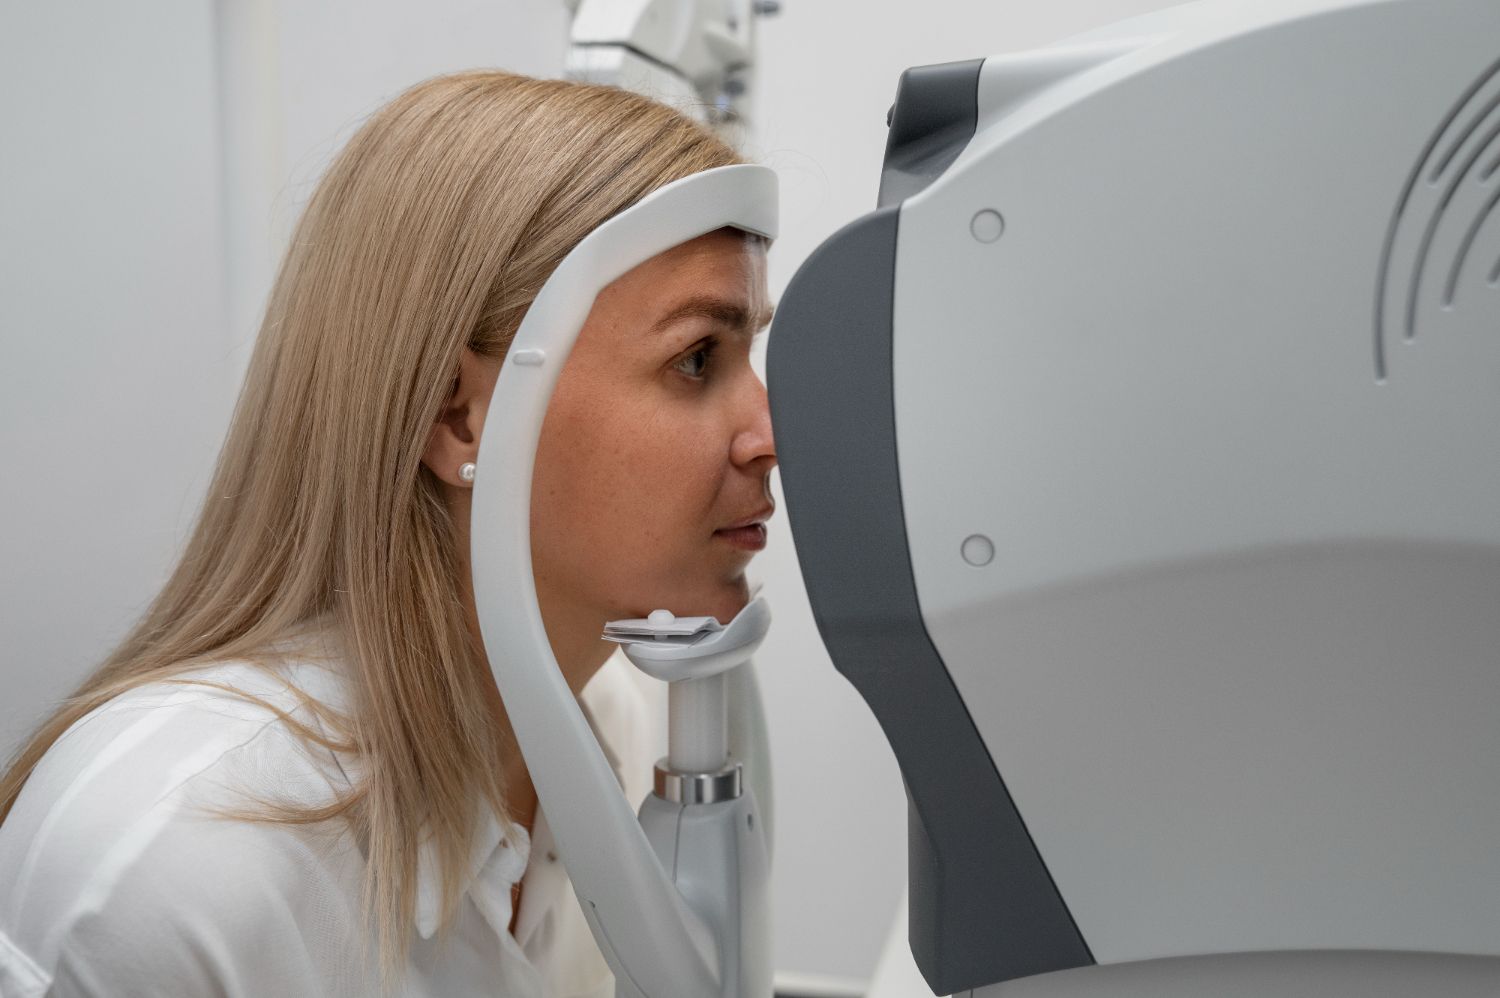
112,881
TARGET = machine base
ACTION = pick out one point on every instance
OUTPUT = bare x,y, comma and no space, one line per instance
1340,974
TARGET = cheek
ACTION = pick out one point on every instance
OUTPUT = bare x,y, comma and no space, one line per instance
572,482
663,479
627,494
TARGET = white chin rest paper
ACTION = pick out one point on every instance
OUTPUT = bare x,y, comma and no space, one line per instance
651,939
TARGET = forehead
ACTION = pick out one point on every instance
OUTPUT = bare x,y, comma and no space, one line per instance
726,265
725,260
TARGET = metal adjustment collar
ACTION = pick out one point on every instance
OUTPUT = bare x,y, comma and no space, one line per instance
699,788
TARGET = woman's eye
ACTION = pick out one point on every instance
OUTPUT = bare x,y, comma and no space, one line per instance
695,363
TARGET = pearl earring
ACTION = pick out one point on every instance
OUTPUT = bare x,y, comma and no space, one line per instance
466,471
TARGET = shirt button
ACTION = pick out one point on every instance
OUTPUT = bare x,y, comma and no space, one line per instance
551,856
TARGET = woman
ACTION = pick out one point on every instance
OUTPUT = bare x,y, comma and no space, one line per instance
296,775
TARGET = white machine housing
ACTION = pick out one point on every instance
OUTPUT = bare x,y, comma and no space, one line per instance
1193,380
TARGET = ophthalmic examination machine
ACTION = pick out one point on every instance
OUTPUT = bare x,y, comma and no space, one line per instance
1139,450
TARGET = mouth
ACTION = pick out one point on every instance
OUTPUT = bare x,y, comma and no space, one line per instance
751,538
748,534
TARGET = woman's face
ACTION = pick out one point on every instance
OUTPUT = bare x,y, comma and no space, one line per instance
657,440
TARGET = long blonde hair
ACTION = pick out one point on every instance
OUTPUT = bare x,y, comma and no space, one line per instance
433,230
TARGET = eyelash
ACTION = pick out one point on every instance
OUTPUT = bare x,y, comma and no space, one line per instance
706,348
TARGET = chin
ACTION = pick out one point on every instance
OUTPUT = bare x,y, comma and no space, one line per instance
721,599
730,604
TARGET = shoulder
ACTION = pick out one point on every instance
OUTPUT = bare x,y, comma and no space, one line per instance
113,848
152,748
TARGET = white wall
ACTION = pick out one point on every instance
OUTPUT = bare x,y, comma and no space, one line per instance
153,160
112,334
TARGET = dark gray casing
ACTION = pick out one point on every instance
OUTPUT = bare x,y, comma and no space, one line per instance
932,120
983,907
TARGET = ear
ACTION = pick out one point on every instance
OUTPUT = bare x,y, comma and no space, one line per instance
455,434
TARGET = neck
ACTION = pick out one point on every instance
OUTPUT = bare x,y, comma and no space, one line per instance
580,653
573,632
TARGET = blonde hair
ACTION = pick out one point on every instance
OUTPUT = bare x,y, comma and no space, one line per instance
433,230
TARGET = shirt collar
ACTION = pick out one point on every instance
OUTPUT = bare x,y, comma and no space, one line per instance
497,860
501,858
546,880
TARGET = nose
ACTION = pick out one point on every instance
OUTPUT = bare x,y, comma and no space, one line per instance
752,441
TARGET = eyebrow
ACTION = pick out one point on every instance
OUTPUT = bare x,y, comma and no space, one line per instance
721,310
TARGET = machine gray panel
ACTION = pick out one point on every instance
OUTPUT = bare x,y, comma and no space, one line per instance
983,906
1336,974
936,110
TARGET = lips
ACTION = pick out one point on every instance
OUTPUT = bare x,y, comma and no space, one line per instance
754,518
751,538
749,533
